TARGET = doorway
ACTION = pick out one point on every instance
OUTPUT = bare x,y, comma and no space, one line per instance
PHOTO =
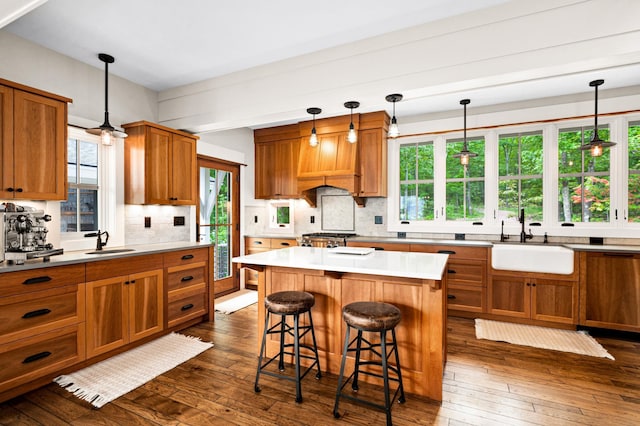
218,219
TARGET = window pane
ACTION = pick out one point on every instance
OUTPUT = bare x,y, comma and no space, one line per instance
72,160
634,172
222,252
465,200
408,201
407,162
520,181
69,212
223,200
88,210
425,206
88,163
583,180
425,161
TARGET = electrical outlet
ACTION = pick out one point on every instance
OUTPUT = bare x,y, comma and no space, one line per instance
147,222
178,221
255,219
313,219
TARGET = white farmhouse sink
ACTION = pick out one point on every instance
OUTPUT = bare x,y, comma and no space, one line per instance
532,258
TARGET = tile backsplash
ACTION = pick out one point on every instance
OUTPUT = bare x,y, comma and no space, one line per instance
162,229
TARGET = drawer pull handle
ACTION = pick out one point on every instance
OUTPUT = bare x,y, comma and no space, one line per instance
187,278
446,252
37,280
187,307
36,357
284,244
451,271
36,313
187,257
378,248
257,242
618,254
451,296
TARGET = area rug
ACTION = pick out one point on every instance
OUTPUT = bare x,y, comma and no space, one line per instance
236,301
577,342
107,380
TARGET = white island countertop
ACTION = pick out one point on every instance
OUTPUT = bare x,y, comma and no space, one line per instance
428,266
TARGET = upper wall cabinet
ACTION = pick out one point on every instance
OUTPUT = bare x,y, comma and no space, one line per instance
160,165
372,150
33,143
276,152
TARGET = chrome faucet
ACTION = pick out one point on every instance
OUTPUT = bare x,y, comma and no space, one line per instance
523,235
99,243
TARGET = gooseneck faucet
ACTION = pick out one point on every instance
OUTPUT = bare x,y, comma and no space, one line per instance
523,235
99,243
503,237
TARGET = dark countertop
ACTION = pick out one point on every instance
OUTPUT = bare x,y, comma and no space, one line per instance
81,256
429,241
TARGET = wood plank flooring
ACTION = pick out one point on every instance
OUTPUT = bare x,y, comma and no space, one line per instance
485,383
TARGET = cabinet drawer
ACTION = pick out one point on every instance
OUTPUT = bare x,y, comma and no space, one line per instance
186,305
106,269
34,313
380,246
252,242
186,275
466,298
184,257
466,272
27,359
277,243
40,279
454,252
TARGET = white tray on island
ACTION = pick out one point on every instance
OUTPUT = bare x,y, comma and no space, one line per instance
352,250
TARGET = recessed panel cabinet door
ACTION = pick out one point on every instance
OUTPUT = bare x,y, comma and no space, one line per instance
145,304
107,319
157,158
6,141
183,170
39,153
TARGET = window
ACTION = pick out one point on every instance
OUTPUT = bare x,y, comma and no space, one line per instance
634,172
520,168
416,181
465,184
280,214
79,213
583,180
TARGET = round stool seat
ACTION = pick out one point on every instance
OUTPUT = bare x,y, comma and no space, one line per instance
289,302
371,316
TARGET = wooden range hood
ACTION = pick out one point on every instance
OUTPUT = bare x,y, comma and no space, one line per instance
334,161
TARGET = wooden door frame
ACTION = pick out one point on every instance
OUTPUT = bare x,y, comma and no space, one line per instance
234,168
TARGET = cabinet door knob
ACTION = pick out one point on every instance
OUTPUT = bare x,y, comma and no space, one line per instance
10,189
18,189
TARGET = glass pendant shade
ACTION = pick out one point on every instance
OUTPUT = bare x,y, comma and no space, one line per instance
352,136
394,131
596,145
106,131
313,139
465,155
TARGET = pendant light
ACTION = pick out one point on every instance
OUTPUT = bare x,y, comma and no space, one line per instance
596,144
464,155
352,136
106,131
313,139
394,132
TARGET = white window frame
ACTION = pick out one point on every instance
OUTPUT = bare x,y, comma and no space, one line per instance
110,211
620,228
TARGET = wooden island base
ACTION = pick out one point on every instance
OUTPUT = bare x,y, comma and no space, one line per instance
421,333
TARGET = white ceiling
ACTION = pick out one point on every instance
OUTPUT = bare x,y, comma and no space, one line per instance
161,44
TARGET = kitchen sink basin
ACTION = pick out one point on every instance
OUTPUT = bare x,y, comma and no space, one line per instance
532,258
110,251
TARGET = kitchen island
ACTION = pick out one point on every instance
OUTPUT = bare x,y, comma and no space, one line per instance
413,282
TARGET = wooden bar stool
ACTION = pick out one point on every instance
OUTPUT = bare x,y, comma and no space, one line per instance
378,318
284,304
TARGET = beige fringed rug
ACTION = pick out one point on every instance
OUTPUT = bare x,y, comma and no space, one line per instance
577,342
235,301
107,380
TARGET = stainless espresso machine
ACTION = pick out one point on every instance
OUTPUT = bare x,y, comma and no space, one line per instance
24,235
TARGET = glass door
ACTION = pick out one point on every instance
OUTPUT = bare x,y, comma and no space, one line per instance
218,218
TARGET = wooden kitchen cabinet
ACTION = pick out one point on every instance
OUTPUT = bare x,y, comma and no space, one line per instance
372,150
610,290
160,165
33,143
466,276
550,298
125,300
42,324
254,245
276,159
187,278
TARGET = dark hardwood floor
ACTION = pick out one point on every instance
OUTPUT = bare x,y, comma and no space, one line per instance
485,383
